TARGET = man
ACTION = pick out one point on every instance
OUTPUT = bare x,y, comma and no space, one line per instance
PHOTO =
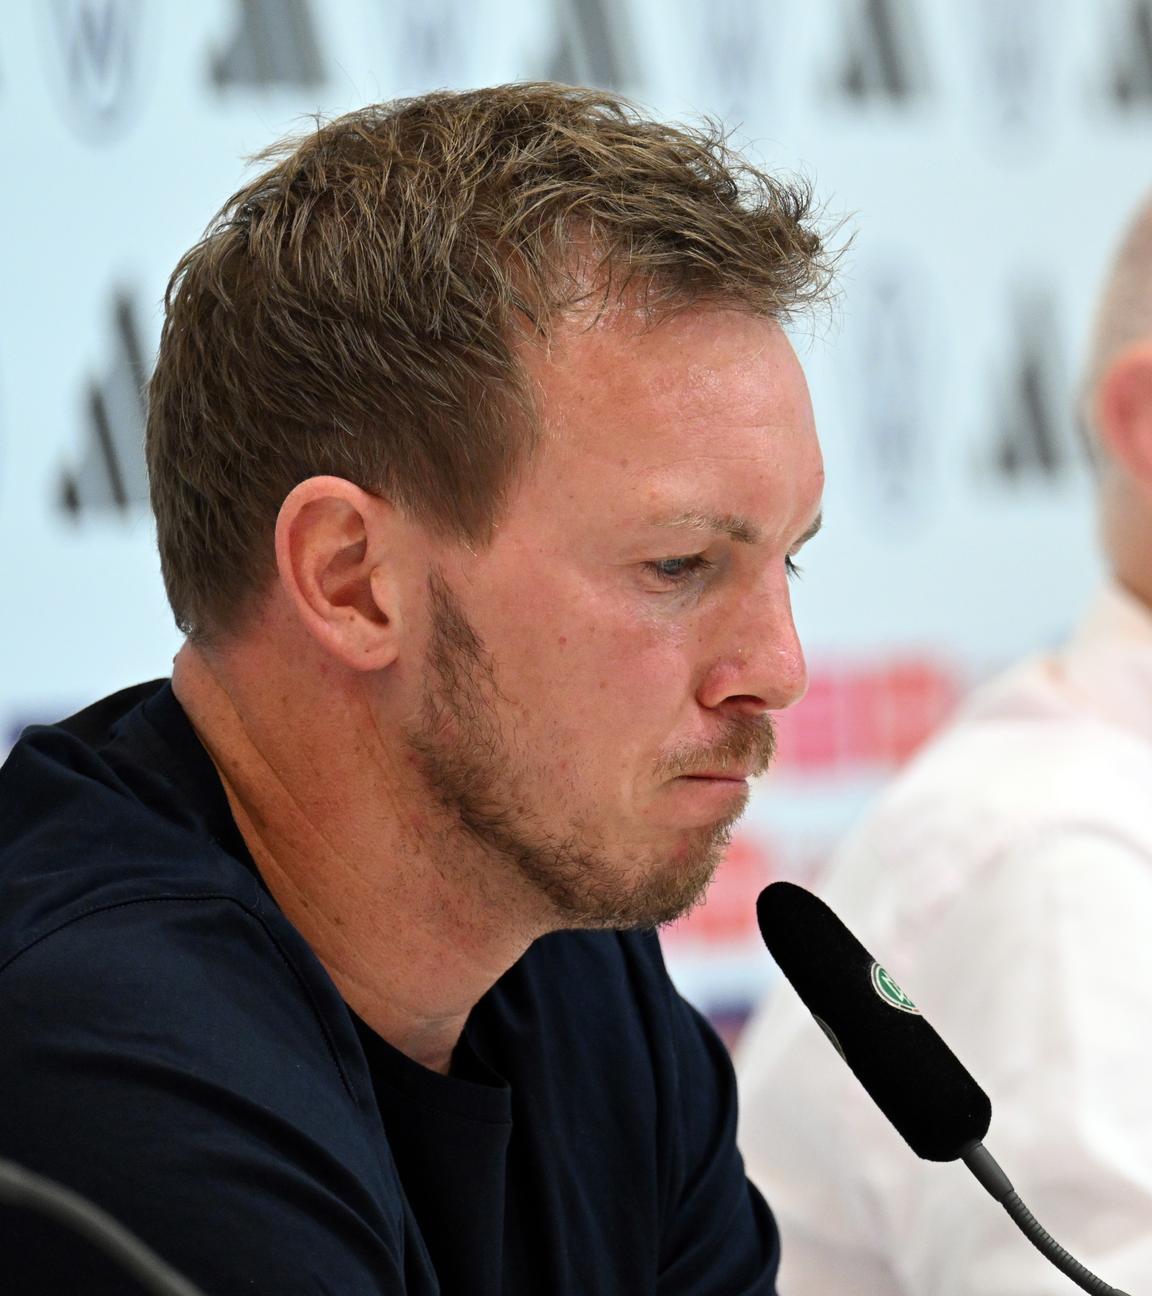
478,458
1006,880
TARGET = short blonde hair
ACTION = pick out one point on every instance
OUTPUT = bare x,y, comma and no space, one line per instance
354,309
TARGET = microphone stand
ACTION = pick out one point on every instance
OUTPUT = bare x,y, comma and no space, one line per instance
982,1164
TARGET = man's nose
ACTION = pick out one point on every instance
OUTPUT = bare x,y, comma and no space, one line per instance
759,665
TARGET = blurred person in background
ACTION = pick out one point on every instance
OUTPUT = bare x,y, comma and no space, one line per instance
479,459
1006,877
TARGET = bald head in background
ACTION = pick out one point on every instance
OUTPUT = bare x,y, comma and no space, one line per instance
1124,313
1118,408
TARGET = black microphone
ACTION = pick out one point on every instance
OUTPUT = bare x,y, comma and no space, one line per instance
911,1074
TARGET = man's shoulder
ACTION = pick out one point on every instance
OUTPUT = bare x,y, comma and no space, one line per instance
170,1043
120,908
92,819
181,965
145,963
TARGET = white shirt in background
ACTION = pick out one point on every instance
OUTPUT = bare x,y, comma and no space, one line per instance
1005,880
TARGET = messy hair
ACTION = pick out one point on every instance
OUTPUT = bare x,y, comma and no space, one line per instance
356,308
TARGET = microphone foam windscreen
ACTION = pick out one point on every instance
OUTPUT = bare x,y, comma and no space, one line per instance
912,1075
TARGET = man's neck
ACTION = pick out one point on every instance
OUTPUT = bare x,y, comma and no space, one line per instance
400,907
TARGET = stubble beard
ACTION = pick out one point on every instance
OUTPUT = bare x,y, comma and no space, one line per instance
471,769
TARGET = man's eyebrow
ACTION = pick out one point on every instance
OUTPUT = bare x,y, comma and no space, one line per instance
812,530
731,524
738,528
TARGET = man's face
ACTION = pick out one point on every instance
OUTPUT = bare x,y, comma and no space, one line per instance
599,678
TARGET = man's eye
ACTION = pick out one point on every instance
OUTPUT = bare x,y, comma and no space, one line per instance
676,571
792,570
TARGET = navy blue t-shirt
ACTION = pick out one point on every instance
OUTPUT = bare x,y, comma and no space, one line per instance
171,1047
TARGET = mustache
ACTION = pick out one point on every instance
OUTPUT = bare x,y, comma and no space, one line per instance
747,741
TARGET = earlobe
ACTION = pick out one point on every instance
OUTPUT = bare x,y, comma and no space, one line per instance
333,570
1124,412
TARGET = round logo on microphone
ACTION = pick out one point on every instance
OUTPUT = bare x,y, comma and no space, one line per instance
890,992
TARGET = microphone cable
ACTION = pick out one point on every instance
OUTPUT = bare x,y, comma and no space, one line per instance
27,1190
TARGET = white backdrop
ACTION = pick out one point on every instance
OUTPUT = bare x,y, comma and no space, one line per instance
985,152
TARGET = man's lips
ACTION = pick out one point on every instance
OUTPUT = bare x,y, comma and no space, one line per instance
707,796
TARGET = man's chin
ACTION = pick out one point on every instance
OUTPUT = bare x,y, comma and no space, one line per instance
678,886
669,907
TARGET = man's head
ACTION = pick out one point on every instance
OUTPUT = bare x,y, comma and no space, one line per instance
356,309
475,418
1118,406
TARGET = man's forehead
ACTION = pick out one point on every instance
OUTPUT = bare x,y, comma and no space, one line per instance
686,367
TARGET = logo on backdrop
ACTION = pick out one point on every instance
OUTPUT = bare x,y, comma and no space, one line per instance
98,51
1032,438
732,47
1129,77
595,45
1016,43
893,357
110,474
884,59
433,42
273,44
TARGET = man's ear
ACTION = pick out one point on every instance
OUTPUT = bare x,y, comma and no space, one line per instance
337,566
1124,412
